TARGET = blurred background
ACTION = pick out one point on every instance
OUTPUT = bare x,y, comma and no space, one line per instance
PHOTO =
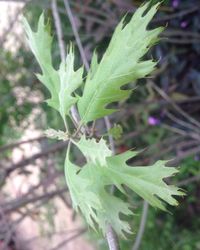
162,116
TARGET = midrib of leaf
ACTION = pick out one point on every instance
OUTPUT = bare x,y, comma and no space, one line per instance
88,107
100,85
48,73
116,66
96,93
139,178
60,95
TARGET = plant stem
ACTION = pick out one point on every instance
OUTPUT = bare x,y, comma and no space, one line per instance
112,239
58,29
75,31
110,234
142,226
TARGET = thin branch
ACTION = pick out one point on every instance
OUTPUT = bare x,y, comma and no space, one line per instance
52,149
176,107
142,226
180,41
181,122
180,33
52,234
183,155
188,181
112,239
90,9
59,32
14,205
16,144
75,31
179,14
65,242
181,131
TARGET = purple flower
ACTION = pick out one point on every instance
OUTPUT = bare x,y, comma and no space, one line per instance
153,121
184,24
196,158
175,3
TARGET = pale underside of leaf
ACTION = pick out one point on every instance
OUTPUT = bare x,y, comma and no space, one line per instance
95,203
40,44
62,83
94,151
70,80
102,208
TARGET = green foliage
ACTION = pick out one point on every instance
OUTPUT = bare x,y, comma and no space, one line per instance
103,85
101,170
61,83
91,152
116,131
70,80
122,63
40,44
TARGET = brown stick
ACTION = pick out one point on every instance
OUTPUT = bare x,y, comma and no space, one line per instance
14,205
52,149
16,144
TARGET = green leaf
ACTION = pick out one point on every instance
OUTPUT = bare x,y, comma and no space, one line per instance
82,196
103,170
70,80
61,83
40,44
122,63
147,182
88,194
89,149
116,131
